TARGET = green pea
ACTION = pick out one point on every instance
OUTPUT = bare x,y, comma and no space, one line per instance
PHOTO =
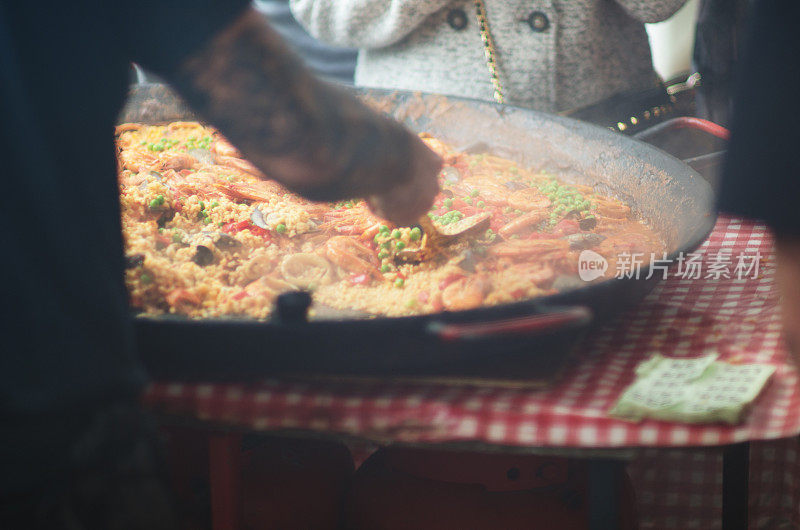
281,228
386,244
474,193
396,233
385,267
207,220
448,203
377,238
154,204
399,282
382,254
383,229
214,204
415,234
400,245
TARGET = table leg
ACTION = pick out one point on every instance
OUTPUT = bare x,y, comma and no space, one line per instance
224,464
735,484
604,495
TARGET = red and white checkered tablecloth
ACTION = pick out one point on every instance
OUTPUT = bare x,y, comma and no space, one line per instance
682,317
738,319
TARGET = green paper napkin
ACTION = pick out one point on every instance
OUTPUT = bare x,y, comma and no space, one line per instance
699,390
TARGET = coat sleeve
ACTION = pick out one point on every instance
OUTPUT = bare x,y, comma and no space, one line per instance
363,23
650,11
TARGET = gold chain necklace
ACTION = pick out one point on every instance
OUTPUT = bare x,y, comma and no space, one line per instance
489,50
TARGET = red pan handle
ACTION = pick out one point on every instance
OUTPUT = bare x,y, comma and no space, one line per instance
529,326
685,122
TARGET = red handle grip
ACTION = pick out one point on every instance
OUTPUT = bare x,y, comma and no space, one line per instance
523,326
686,122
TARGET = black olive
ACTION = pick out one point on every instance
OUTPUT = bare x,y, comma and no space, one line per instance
203,256
134,260
226,242
165,217
581,241
588,223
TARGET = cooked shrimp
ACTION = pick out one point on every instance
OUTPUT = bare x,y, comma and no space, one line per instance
224,148
528,247
178,161
258,191
610,208
240,164
466,293
182,301
136,159
352,221
528,199
119,129
523,221
352,256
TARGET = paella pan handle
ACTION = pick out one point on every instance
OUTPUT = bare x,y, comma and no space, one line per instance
701,146
555,320
684,122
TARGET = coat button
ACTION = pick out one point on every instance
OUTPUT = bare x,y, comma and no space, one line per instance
538,21
457,19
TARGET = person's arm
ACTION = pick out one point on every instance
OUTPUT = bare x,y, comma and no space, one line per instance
316,139
651,11
761,178
363,23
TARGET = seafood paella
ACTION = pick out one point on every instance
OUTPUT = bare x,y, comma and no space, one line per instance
207,235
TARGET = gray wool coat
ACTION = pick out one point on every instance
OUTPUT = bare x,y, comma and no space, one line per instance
553,55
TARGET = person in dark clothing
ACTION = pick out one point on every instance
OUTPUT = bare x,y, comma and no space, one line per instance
76,450
716,54
761,178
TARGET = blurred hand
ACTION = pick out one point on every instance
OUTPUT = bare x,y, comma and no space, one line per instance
404,203
788,276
